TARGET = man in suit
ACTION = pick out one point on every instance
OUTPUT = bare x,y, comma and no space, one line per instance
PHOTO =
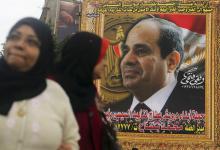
153,51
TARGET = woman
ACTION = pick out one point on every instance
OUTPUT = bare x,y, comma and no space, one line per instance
35,113
82,61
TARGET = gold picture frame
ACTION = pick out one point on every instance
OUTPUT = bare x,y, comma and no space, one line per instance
94,14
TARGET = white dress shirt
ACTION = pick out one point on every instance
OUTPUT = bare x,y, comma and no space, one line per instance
157,101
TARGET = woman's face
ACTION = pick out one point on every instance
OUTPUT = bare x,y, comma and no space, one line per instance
22,48
99,69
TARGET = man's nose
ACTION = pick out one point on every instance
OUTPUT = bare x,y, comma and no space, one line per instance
130,59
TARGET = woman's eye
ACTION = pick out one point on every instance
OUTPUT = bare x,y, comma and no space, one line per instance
33,42
13,37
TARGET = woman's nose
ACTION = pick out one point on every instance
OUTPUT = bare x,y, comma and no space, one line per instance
20,43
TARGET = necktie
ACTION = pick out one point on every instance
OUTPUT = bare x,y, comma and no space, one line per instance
142,106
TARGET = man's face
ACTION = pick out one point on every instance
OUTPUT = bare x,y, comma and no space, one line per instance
142,67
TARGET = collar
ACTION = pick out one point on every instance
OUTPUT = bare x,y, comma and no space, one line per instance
158,99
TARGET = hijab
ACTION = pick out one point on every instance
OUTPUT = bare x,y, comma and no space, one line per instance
16,85
79,57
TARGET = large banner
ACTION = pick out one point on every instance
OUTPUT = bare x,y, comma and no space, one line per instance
184,108
156,97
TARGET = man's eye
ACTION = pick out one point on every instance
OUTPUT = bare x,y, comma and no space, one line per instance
125,50
141,52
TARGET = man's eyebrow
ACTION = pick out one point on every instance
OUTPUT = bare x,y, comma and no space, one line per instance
142,46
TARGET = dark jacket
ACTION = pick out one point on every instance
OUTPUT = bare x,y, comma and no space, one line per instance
187,98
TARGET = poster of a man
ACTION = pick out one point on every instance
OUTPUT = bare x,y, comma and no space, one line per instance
68,21
153,51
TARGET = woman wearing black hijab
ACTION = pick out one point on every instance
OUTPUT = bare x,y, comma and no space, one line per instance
35,113
82,61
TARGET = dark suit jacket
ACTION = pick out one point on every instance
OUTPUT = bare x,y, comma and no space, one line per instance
188,94
180,100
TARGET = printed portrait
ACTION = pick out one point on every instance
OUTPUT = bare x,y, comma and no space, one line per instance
68,19
139,70
160,82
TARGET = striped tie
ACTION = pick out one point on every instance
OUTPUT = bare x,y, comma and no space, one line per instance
142,106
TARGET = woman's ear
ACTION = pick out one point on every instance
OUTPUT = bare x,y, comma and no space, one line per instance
173,60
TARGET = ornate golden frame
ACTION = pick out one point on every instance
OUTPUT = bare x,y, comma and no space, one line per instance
94,22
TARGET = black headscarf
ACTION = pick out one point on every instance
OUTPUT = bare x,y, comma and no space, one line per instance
16,85
75,71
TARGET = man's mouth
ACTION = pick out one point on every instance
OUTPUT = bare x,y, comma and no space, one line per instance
129,73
